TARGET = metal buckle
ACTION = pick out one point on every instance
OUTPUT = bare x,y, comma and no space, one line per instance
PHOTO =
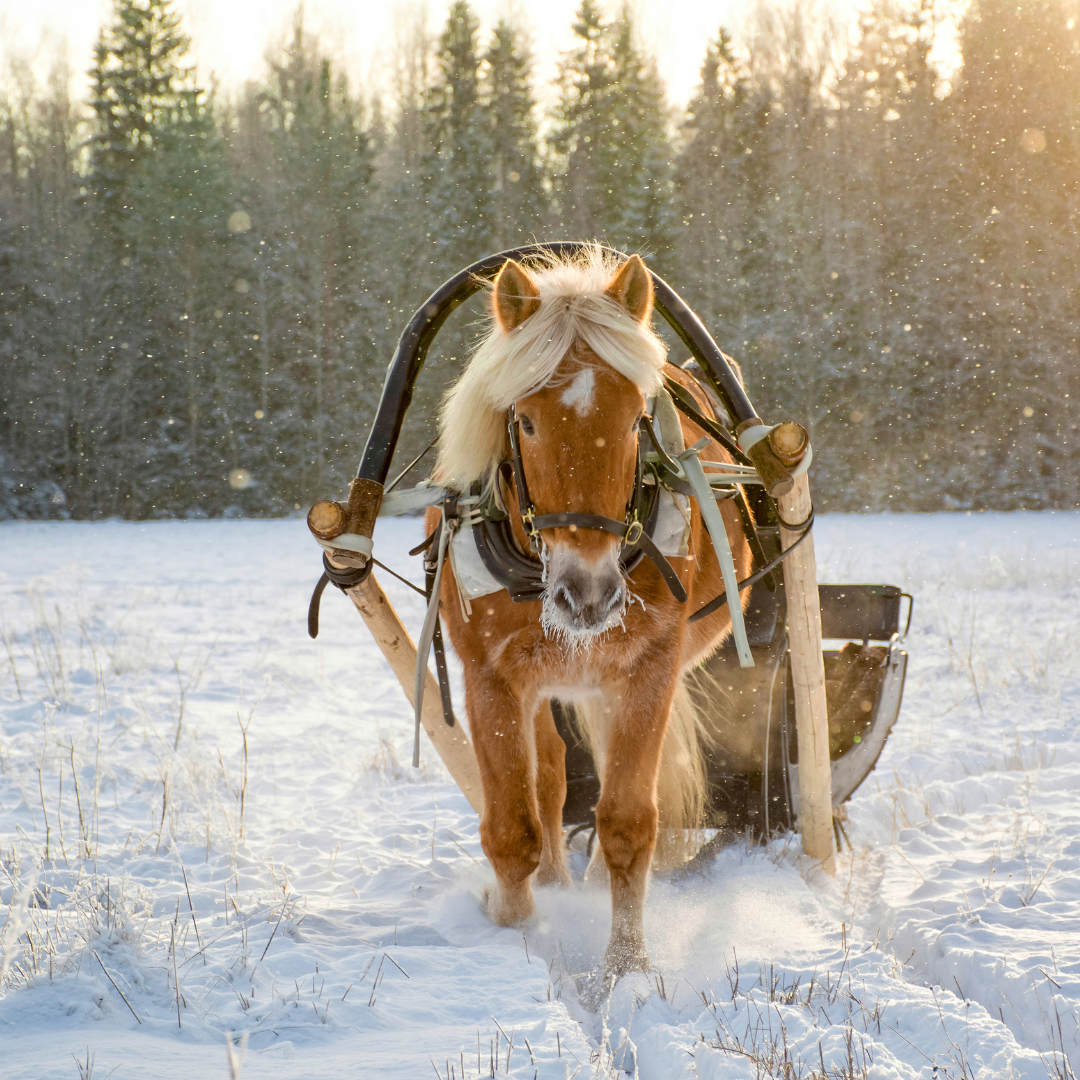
527,522
633,533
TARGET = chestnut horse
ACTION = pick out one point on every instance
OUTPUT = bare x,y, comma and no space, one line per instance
571,357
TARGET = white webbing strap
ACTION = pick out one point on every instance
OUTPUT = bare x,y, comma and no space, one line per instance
463,599
427,635
714,522
666,423
805,463
348,542
753,435
411,499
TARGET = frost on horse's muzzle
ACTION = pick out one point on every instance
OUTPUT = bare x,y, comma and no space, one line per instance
582,599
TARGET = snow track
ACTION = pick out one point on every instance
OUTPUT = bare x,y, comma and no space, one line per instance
335,894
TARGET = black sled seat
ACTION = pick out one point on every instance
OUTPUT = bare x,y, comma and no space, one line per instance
751,755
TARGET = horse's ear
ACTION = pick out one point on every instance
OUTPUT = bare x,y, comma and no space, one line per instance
516,296
632,288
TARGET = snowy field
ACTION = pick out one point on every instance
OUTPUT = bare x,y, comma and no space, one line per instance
209,830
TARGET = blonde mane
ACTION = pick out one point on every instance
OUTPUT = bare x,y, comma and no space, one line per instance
510,366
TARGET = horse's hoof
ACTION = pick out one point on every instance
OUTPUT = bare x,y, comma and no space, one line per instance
554,877
624,958
591,990
595,988
508,911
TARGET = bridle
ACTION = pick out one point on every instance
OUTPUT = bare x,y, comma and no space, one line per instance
632,530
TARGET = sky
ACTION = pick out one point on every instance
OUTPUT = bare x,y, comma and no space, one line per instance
230,37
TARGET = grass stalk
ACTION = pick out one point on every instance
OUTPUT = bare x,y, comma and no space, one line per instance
176,980
117,988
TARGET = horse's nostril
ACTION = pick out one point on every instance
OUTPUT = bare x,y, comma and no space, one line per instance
563,599
612,598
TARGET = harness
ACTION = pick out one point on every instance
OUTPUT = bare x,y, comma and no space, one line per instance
521,572
666,472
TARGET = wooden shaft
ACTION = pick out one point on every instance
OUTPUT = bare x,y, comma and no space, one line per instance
808,679
451,743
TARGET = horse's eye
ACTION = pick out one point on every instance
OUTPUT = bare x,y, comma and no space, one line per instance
526,425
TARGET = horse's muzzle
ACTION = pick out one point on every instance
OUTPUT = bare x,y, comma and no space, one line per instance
583,597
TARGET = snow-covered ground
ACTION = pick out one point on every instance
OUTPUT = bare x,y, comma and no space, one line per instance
208,827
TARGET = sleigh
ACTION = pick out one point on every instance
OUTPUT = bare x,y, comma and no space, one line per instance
805,692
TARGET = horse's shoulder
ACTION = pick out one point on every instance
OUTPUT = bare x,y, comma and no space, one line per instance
686,380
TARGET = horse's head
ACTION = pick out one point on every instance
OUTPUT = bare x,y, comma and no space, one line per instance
578,435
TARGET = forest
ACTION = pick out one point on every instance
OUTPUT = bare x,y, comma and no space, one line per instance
200,289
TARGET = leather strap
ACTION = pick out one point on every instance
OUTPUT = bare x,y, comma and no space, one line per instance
440,654
720,600
517,467
634,529
313,607
343,579
534,523
752,538
686,404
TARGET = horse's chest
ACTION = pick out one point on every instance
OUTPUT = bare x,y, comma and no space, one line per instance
533,659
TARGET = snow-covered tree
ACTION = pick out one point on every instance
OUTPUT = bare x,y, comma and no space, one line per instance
519,199
303,299
611,140
458,181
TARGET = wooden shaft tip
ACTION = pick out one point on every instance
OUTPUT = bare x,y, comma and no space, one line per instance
327,520
789,442
780,487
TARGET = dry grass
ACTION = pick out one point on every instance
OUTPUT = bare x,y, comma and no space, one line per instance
65,911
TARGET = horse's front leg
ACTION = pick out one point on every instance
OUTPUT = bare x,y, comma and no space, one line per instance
626,815
550,796
510,831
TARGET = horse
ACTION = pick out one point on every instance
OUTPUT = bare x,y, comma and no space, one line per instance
559,388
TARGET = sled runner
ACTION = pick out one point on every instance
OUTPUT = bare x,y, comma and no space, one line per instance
790,728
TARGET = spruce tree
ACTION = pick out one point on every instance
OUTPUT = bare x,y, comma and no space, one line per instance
51,404
1016,114
711,186
645,152
457,173
139,88
307,307
611,141
580,141
159,201
519,199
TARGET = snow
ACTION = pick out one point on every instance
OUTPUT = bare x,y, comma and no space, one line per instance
134,655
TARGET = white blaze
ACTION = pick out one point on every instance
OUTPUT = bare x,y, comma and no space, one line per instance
579,394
